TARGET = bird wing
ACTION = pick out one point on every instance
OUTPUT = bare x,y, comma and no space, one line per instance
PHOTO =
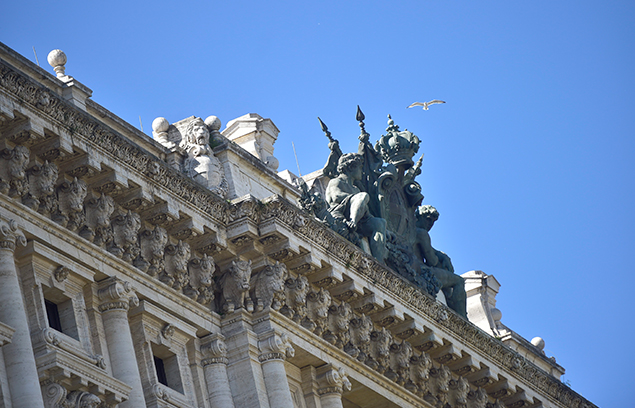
435,101
416,104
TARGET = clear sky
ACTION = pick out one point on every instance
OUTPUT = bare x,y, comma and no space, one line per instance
530,161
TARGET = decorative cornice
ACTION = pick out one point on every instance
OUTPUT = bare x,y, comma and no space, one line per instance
81,125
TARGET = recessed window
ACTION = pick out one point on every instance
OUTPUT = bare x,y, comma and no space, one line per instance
53,314
160,368
61,314
166,365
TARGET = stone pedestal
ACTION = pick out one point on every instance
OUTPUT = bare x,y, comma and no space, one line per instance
273,351
116,297
22,376
215,369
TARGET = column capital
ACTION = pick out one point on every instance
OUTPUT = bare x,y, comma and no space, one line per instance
332,380
275,347
10,235
116,294
214,349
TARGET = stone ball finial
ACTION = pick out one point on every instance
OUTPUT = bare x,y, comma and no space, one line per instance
160,125
538,342
213,123
57,59
497,315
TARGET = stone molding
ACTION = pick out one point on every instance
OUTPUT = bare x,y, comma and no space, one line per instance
81,125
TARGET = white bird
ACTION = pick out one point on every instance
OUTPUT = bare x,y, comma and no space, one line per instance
425,104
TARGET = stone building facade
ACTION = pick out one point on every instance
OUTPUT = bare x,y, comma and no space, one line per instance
180,271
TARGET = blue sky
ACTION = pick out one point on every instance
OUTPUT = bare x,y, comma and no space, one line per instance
530,161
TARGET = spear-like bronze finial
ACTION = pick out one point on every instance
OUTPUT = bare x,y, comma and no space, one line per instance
360,118
325,129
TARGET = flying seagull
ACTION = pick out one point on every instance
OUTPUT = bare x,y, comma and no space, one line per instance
425,104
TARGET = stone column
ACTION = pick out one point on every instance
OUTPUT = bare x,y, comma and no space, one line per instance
332,383
116,297
273,351
22,376
215,369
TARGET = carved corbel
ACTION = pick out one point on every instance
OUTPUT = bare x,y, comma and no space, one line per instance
41,196
176,260
296,290
116,294
275,347
267,287
70,212
459,390
318,303
97,228
125,243
13,177
214,350
400,355
332,380
359,344
151,257
201,285
338,324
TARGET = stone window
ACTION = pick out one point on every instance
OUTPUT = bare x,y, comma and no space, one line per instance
166,365
60,313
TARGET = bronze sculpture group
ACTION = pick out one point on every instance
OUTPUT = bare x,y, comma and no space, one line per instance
373,200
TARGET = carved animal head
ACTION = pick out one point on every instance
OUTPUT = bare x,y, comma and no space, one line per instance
126,227
76,191
42,179
201,271
240,272
153,243
276,275
179,256
297,290
340,316
362,326
320,302
18,161
196,132
421,367
101,208
401,353
382,341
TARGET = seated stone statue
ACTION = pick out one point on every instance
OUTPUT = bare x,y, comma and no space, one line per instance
452,285
348,203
